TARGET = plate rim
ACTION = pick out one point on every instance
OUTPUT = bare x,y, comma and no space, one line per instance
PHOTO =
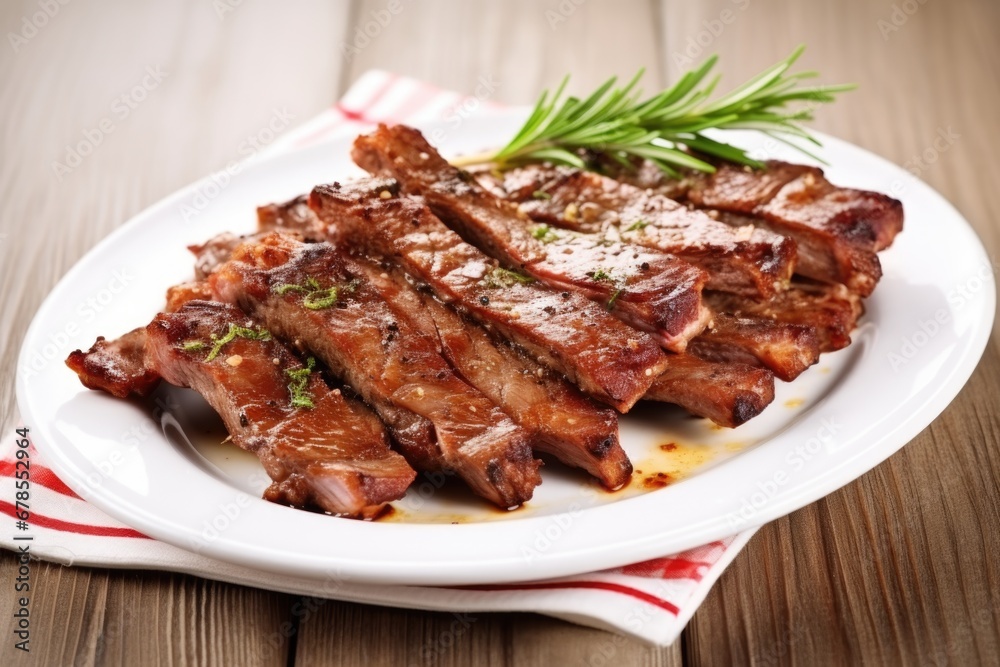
559,562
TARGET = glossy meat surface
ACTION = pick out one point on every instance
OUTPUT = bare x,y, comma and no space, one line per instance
729,393
563,422
838,230
648,289
116,366
308,293
564,331
742,260
320,448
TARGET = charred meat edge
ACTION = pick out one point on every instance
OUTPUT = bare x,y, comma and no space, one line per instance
740,260
730,394
564,331
564,422
648,289
395,368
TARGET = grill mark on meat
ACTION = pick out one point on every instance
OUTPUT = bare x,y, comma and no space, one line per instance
648,289
334,456
562,330
116,366
832,311
744,260
786,349
563,422
729,394
838,230
439,421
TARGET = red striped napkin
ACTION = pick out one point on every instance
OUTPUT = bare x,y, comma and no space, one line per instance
652,600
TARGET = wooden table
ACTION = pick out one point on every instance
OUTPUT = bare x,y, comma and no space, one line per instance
899,566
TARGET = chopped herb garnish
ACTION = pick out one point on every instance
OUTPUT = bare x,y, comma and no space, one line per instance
539,194
614,298
192,346
637,225
600,274
298,385
316,297
544,233
320,299
311,286
501,277
234,333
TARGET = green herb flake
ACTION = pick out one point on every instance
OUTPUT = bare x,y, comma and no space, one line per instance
316,297
614,299
599,275
501,277
298,385
232,334
637,225
320,299
540,194
192,345
544,233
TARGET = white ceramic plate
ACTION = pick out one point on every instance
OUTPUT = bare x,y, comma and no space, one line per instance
159,466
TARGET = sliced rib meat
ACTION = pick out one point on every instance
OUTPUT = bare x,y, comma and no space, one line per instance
563,422
838,230
729,394
116,366
320,448
785,349
564,331
648,289
309,294
832,311
742,260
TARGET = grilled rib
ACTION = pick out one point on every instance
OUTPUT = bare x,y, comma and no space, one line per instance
563,422
649,290
562,330
729,394
838,230
831,311
116,366
320,448
742,260
310,294
785,349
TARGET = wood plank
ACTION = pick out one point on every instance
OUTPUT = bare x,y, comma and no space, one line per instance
347,634
224,76
228,78
896,566
87,616
523,46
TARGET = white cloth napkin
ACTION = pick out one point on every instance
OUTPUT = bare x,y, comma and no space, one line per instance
652,600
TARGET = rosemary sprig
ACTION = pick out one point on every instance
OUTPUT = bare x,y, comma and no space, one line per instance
616,123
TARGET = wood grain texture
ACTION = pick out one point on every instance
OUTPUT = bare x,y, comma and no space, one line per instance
83,617
898,566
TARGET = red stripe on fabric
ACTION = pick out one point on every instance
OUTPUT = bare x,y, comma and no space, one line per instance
387,83
666,568
39,475
43,521
595,585
358,114
417,100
